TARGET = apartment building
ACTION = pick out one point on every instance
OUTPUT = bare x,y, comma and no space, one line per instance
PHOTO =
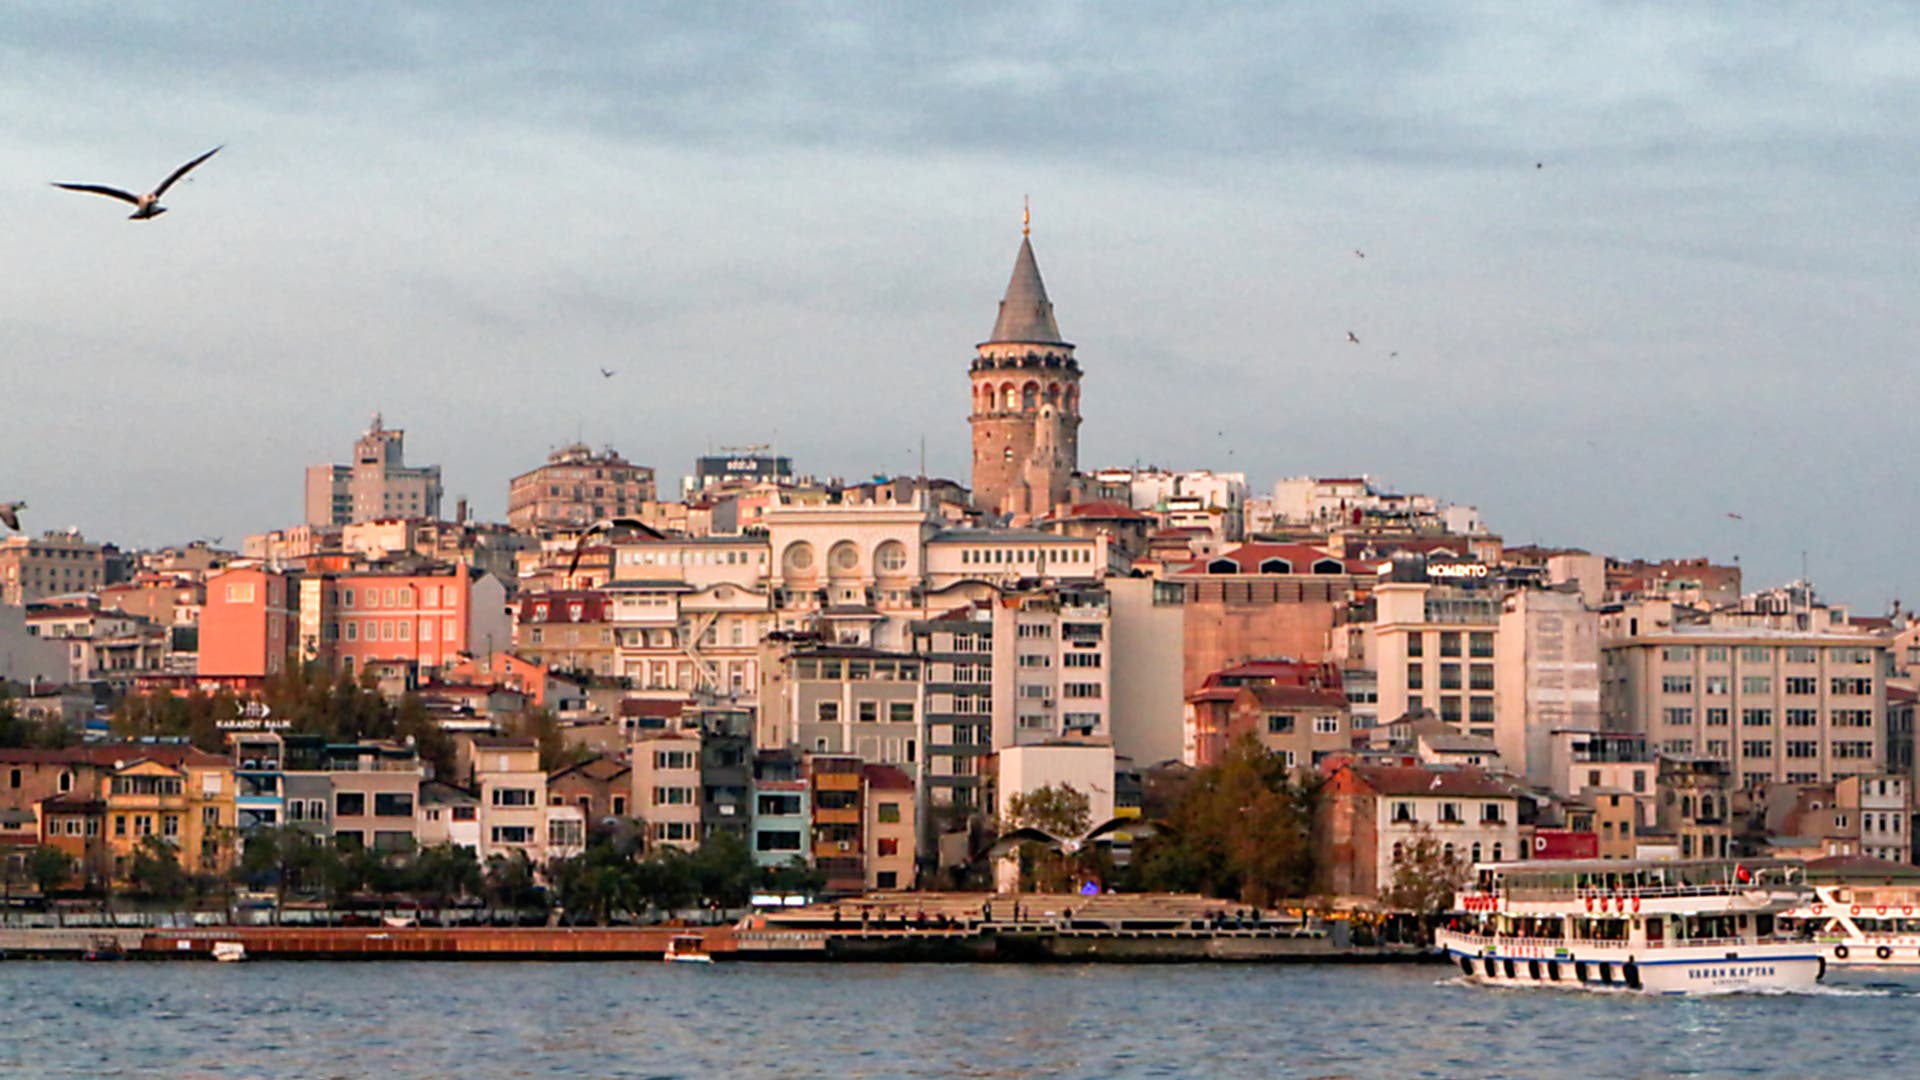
1786,706
513,796
889,827
53,564
1369,814
575,488
666,785
842,700
378,484
250,623
571,630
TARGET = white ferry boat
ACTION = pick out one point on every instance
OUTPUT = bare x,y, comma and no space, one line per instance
1863,913
1657,926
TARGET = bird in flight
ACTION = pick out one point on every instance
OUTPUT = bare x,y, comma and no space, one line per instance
145,206
1539,164
601,526
605,373
1352,338
10,514
1735,516
1392,355
1360,253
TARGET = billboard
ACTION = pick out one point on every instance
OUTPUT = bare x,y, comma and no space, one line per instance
1563,844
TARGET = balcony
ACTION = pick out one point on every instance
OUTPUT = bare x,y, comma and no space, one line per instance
845,816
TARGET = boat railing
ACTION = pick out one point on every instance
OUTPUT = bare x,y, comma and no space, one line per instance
1650,892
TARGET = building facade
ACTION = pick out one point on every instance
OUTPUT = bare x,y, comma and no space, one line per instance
378,484
1026,403
575,488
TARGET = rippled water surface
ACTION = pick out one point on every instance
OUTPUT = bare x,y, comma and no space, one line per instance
394,1020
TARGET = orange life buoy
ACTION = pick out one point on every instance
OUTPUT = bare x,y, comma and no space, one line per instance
1818,908
1854,910
1881,910
1906,909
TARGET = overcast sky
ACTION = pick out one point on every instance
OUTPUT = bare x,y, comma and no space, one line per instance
791,223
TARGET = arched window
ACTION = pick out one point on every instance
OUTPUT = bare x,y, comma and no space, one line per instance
1399,851
1029,396
1275,566
1329,566
1006,397
1476,851
1223,566
1446,852
1496,851
1053,393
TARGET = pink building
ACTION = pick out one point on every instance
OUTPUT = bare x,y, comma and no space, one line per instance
431,618
247,625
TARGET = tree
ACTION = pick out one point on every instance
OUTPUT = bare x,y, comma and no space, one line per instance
509,883
446,872
156,873
723,869
1426,874
1239,830
50,868
1060,810
544,728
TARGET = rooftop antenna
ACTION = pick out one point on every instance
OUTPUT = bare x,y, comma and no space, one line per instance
1026,216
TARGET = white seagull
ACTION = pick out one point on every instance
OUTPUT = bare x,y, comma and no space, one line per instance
10,514
148,205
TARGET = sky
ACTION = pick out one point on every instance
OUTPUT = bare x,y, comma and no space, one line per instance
1644,266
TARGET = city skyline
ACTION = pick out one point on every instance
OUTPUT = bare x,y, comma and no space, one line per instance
758,220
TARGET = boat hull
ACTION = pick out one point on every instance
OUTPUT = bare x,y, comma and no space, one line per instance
1748,969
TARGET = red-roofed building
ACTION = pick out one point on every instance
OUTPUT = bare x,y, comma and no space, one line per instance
571,630
891,827
1123,526
1222,711
1366,814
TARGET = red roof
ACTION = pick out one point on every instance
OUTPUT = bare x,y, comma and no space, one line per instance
665,709
557,606
1300,558
887,778
1419,780
1105,511
1271,697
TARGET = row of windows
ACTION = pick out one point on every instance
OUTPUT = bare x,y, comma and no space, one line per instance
999,555
431,596
394,630
1798,685
1763,654
1283,724
868,712
1479,643
1797,749
1491,813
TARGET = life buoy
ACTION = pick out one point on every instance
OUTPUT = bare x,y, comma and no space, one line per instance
1818,908
1881,910
1840,952
1883,952
1906,909
1854,910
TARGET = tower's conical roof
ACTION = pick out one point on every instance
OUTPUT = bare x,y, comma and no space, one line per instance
1026,315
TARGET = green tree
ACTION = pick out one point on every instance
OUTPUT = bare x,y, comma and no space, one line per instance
444,873
544,728
723,870
50,868
1239,830
510,883
1426,874
1060,810
156,873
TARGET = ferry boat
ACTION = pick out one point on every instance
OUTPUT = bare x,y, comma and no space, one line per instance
687,949
229,952
1863,913
1654,926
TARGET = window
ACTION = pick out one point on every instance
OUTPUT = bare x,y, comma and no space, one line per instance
1082,659
1676,684
1756,717
1847,750
353,630
869,711
1802,654
1449,676
1677,746
1803,717
1851,717
1852,686
1802,684
1326,725
349,804
1803,748
1403,811
1678,717
1756,684
1450,643
1676,652
1480,644
1083,690
1450,812
888,813
1756,748
513,797
827,712
1716,654
513,834
777,840
393,804
1416,676
1717,684
1717,748
1755,654
673,759
1490,814
1480,677
1279,724
890,879
900,712
1717,717
1416,645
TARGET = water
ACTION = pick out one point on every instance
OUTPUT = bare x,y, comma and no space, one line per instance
481,1021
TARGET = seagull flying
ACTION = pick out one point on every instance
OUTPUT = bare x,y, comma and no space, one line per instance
1351,338
148,205
1735,516
1392,355
10,514
606,374
603,525
1360,253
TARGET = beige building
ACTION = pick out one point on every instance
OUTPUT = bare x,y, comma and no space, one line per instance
688,614
1695,804
1789,706
845,701
848,573
513,796
55,564
1368,814
378,484
666,785
577,487
1146,712
890,827
376,791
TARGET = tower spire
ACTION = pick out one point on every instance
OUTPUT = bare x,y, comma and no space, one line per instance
1026,216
